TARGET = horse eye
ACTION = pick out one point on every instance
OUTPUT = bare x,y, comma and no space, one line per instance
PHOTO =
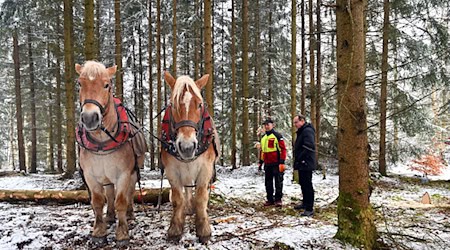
106,86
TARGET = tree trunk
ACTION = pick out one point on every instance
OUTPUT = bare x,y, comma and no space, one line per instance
118,50
383,97
97,30
33,161
75,196
140,113
89,42
197,45
158,69
51,140
303,70
255,87
293,65
269,66
319,86
174,38
70,90
355,215
312,85
245,91
233,87
209,89
58,124
150,84
18,97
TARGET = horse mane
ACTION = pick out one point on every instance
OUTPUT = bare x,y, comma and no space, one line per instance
92,70
183,84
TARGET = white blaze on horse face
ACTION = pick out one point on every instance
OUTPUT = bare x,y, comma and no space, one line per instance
91,117
187,100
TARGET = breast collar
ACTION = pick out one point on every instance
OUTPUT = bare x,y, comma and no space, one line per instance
122,135
204,128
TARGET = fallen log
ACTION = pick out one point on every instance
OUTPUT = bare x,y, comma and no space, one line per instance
74,196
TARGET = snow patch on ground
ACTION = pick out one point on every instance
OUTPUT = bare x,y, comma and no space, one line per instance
238,219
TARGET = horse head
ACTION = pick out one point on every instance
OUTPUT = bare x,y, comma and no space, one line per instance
187,112
95,92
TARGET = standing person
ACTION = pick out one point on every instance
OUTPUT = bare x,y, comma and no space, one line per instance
273,155
305,162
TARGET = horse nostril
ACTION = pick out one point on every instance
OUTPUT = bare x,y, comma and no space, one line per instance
95,119
82,118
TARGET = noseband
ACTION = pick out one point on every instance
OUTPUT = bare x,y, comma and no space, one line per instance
96,103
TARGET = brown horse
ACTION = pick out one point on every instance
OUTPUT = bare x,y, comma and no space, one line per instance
110,153
190,144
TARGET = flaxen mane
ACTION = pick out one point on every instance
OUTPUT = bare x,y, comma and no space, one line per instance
184,83
92,70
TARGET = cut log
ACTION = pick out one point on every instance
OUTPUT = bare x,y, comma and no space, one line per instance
72,197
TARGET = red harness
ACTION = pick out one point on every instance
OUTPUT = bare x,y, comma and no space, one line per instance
120,137
205,133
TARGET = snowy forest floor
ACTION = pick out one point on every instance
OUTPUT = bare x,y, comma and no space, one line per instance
238,219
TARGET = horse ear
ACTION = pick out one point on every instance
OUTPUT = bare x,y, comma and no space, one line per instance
202,81
78,68
112,70
169,79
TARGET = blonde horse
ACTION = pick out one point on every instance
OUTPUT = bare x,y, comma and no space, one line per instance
110,150
190,144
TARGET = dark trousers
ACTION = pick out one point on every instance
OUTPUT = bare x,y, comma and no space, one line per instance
305,179
272,172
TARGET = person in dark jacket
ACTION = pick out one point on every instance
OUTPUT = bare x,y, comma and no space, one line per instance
305,162
273,155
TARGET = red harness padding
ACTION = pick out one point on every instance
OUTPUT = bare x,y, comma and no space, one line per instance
121,136
205,133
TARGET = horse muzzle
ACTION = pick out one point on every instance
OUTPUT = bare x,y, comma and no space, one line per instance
91,120
187,148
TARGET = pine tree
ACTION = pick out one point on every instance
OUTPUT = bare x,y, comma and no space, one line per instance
293,64
69,67
209,89
355,215
89,42
33,167
384,82
118,50
245,91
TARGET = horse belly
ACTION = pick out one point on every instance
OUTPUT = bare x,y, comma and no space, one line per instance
106,169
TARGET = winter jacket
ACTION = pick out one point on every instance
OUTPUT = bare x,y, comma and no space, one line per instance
273,148
305,148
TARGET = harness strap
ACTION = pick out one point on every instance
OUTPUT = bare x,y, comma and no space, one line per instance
102,109
108,134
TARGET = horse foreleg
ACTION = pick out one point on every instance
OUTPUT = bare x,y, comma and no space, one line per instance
132,188
178,216
110,212
202,226
121,204
188,201
97,202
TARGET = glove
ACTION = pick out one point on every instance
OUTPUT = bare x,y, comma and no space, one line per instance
281,167
259,167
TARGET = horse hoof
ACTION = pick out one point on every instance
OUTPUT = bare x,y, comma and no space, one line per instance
204,239
123,243
174,238
99,241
